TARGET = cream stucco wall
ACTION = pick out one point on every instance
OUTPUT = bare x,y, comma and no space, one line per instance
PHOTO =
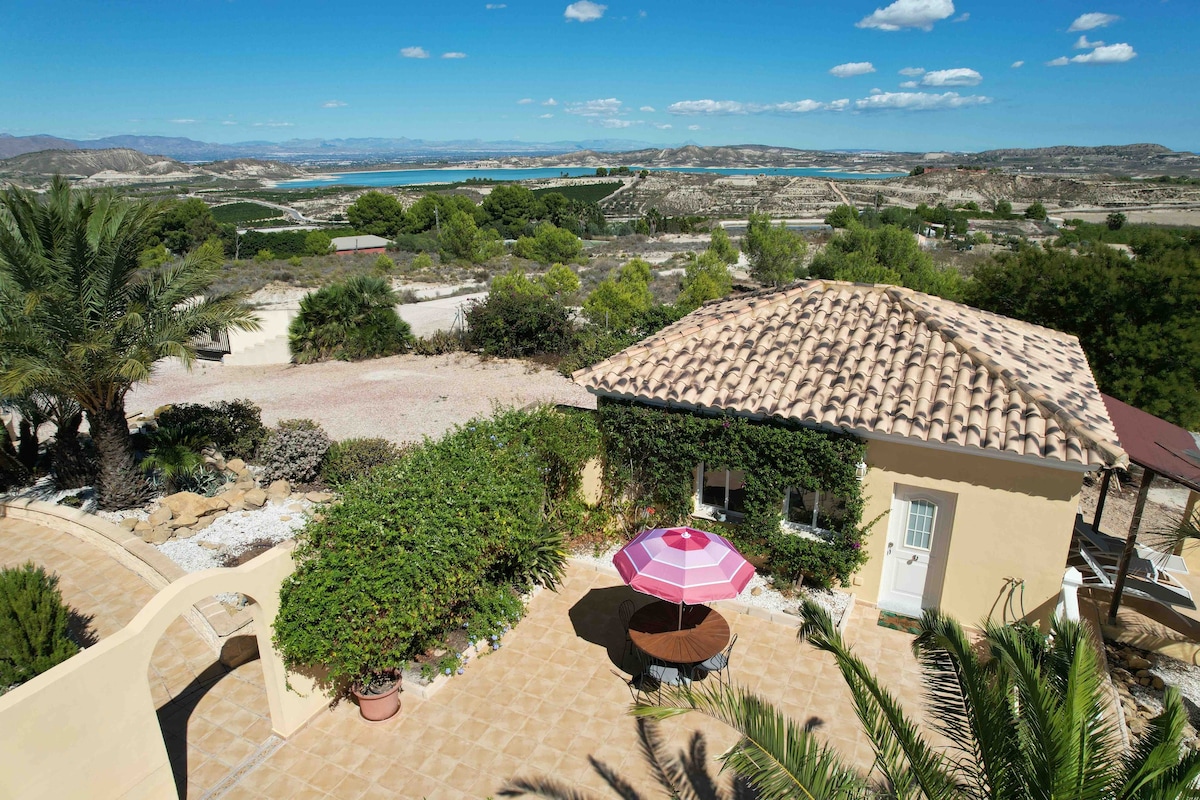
1011,520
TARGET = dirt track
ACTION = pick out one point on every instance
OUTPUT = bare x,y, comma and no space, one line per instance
401,398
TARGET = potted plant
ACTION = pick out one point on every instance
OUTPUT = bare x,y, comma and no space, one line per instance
379,696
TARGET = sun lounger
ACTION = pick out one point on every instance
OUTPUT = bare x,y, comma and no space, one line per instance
1163,589
1112,546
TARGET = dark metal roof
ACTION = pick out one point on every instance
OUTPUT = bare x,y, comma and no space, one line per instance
1156,444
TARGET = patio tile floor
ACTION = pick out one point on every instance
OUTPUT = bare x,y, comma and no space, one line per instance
548,699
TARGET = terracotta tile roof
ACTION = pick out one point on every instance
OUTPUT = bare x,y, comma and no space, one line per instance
875,360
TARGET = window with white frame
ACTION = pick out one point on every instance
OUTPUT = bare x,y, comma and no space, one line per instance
918,529
721,491
812,509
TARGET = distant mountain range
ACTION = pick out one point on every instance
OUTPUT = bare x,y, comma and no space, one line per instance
313,150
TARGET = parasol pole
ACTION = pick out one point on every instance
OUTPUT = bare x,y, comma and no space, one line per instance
680,615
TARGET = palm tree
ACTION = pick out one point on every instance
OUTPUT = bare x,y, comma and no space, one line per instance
78,317
1024,713
685,775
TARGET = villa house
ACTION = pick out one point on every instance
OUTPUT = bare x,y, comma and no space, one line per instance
978,430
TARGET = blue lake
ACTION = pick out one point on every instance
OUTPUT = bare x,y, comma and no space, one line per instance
411,177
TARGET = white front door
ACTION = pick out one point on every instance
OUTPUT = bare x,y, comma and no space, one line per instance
917,541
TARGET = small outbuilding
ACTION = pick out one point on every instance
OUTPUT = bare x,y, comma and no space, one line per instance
344,245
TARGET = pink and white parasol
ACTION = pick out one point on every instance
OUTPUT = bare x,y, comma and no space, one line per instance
683,565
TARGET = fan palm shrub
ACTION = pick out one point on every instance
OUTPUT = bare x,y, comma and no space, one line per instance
81,318
350,321
1024,714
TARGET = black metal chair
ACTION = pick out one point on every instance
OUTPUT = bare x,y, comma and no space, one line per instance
719,663
625,610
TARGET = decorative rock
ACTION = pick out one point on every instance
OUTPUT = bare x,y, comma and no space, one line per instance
130,523
237,650
1157,683
1144,681
295,508
279,489
190,504
756,591
142,525
184,533
216,504
216,515
160,515
255,498
318,497
235,465
1143,673
182,522
202,523
245,484
285,518
1137,662
156,535
209,545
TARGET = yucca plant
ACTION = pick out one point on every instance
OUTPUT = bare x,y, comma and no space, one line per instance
1024,713
175,454
81,318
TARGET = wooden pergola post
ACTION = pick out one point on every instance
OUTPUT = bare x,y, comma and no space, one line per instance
1148,476
1100,500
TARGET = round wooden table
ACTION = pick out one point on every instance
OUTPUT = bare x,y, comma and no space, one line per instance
654,629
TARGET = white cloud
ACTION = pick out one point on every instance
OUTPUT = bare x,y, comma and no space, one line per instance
1107,54
495,6
584,11
663,126
909,85
642,14
1061,61
454,54
183,121
1086,22
414,52
332,104
524,101
912,72
273,124
952,77
545,116
852,68
919,101
613,122
596,108
550,102
228,122
1018,64
963,17
647,109
693,127
728,107
908,14
1082,43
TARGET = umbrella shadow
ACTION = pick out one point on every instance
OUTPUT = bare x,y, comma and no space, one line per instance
596,619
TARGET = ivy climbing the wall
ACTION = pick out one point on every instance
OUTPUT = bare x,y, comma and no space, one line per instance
651,456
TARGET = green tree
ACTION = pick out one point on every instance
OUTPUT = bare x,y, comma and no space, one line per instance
1003,209
182,225
601,172
705,278
349,321
317,243
376,213
776,254
720,246
561,281
1025,714
548,245
1035,211
622,298
433,209
520,317
78,317
462,239
1115,221
842,216
884,255
511,208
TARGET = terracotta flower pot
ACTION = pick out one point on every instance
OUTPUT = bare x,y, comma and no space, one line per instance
378,707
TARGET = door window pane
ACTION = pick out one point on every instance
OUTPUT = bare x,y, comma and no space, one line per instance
919,531
737,491
801,506
712,493
831,511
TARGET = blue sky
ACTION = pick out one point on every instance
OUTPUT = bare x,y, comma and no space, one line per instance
910,75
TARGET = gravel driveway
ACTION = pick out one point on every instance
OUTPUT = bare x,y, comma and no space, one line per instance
401,398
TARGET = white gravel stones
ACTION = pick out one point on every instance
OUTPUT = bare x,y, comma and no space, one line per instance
232,535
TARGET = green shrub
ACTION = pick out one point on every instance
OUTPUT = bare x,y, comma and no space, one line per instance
293,451
431,543
423,261
233,428
175,454
439,343
356,458
34,625
264,255
513,324
349,321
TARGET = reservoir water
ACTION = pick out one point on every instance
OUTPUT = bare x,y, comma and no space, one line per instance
412,177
